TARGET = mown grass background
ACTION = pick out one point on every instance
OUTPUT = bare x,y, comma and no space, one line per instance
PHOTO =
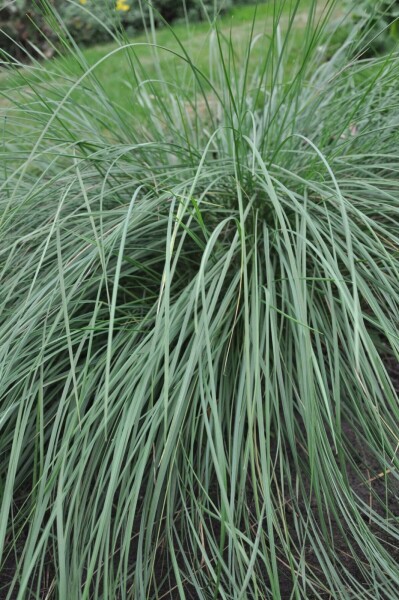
199,315
115,73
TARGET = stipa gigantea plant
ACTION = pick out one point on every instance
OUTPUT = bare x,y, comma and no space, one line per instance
199,309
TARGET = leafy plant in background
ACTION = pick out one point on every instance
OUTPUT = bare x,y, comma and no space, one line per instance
199,321
23,29
90,21
379,18
133,15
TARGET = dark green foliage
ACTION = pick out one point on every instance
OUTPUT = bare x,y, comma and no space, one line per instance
23,29
90,21
137,16
380,19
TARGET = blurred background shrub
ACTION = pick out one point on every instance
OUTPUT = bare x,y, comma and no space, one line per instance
379,18
87,25
23,29
21,21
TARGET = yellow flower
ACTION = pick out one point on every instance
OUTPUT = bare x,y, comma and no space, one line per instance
122,5
83,1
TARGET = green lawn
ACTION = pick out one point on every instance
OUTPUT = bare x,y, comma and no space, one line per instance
115,64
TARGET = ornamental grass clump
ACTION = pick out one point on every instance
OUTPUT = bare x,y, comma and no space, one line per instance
199,320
